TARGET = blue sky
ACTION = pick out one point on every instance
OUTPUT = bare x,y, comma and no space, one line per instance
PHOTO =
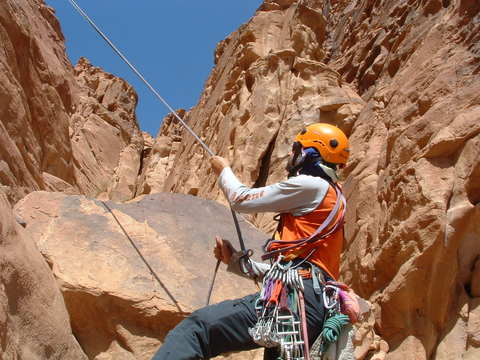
170,41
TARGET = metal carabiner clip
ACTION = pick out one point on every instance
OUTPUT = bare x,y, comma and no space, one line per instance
330,300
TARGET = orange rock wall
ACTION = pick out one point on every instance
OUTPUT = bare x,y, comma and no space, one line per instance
61,129
35,99
106,142
412,228
401,78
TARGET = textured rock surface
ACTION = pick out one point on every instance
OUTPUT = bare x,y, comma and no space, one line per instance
413,226
159,156
34,322
368,345
107,144
117,308
401,78
269,81
60,129
36,94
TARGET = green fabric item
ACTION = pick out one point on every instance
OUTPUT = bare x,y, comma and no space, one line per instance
332,328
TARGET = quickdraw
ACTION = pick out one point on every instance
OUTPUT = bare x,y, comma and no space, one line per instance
280,308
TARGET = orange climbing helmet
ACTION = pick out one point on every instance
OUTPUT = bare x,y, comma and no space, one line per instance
329,140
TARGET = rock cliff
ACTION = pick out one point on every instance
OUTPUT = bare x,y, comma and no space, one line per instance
37,94
401,78
413,226
61,128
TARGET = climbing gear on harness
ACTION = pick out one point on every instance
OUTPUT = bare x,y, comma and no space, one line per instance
303,316
280,308
332,328
342,309
318,234
329,140
348,301
157,94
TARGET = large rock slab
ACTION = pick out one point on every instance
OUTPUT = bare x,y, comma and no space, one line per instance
34,323
117,307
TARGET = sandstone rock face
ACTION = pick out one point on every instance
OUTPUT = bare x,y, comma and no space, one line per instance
269,81
401,78
35,99
413,226
159,158
61,129
106,141
34,322
118,309
368,345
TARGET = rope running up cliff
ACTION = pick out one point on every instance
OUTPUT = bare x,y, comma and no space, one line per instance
157,94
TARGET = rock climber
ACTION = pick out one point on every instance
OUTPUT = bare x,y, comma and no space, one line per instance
308,242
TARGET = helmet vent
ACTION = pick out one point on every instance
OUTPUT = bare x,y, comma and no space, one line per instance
333,143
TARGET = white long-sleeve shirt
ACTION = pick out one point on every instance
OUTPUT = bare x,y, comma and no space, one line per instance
298,195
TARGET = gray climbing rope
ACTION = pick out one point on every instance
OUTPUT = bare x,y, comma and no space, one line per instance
157,94
138,73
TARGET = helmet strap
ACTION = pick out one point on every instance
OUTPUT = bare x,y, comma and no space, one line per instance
331,173
297,159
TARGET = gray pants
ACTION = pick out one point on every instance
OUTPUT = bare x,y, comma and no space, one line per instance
223,327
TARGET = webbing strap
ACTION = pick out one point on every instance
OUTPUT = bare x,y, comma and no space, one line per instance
333,213
316,284
304,326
